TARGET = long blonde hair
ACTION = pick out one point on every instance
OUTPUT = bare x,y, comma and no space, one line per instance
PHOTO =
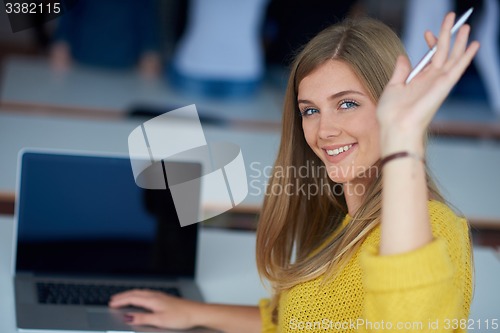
296,224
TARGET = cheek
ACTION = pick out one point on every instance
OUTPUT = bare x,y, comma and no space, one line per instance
309,135
372,139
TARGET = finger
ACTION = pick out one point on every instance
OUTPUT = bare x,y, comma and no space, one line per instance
140,301
464,61
460,43
401,70
153,319
134,292
430,39
443,44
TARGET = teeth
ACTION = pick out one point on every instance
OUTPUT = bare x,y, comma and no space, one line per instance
337,151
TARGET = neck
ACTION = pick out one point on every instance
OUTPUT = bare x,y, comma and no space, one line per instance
354,192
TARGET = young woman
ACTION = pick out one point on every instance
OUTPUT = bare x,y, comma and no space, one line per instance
371,246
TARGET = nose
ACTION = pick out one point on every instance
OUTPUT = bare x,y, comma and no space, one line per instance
329,126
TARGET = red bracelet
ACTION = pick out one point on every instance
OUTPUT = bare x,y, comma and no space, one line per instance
400,154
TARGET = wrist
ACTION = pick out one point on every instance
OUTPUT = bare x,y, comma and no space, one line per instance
200,314
401,154
392,142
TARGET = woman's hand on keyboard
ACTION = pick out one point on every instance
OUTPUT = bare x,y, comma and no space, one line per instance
177,313
165,311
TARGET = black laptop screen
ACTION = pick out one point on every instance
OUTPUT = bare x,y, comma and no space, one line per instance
85,215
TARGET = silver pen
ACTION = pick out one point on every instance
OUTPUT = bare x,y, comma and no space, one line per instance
427,58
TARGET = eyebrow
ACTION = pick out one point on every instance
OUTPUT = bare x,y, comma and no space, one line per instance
335,96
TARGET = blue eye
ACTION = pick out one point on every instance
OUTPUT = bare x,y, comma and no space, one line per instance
348,105
308,112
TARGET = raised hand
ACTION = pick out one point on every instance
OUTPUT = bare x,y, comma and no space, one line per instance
405,110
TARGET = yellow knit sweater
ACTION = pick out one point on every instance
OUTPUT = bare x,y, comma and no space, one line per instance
425,290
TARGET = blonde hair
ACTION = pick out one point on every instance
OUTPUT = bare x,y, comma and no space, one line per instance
295,225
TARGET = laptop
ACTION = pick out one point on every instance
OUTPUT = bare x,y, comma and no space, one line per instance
86,231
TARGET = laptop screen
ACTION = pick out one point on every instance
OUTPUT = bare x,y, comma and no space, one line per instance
84,215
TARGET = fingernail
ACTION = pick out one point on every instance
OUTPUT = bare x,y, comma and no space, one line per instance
128,318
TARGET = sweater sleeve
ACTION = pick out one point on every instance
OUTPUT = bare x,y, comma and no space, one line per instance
425,290
265,313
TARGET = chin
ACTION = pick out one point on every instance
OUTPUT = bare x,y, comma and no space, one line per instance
340,175
340,180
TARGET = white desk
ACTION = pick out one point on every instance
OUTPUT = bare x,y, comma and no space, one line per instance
466,170
227,274
30,83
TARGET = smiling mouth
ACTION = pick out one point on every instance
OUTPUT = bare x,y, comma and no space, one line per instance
337,151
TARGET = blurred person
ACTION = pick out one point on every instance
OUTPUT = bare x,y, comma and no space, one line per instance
113,34
220,53
364,234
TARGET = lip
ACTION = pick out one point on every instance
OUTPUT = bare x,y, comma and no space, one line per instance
341,156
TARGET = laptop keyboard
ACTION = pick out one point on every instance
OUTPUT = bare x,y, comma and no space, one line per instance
85,294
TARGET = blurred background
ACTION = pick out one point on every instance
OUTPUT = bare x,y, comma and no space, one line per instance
231,50
115,62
